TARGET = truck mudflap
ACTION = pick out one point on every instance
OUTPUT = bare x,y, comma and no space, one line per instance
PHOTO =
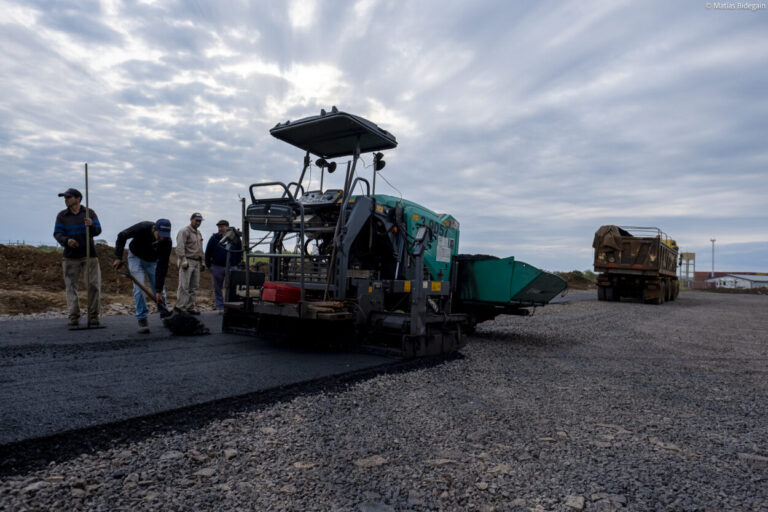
502,282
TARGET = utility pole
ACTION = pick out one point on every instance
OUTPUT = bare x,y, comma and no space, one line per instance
713,256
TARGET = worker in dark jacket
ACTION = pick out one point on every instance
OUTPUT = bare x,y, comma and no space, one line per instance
148,255
216,260
69,231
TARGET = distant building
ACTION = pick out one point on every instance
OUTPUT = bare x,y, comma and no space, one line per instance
705,279
747,281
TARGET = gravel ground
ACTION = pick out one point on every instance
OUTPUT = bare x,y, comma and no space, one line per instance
584,406
123,305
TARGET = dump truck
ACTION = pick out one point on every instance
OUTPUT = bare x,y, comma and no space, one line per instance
635,262
382,271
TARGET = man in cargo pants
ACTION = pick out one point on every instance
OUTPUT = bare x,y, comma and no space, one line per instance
189,249
69,231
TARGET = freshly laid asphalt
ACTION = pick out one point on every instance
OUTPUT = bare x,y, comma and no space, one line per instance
54,380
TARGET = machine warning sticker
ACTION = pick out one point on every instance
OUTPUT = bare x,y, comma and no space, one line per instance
444,248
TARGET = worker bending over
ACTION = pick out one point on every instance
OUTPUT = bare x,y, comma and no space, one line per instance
148,255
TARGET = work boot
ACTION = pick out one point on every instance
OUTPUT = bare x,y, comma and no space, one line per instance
93,322
143,326
73,322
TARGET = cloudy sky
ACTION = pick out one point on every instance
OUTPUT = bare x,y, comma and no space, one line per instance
533,123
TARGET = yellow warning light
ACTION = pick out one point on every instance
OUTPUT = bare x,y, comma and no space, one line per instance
436,286
415,217
407,286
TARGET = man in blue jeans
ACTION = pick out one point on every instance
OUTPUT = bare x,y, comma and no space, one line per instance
216,260
148,255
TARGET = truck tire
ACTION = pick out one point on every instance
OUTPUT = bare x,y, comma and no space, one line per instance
662,293
611,294
601,293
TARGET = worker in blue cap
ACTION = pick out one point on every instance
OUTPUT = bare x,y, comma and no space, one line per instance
148,256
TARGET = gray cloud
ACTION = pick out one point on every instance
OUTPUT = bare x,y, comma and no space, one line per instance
143,70
80,19
531,124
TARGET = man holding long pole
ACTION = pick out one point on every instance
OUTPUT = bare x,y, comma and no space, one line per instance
75,230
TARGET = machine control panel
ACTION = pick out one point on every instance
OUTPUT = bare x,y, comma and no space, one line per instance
318,197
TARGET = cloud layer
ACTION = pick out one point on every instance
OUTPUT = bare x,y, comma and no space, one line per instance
531,124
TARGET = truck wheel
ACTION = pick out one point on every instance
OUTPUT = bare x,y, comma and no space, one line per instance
610,294
601,293
662,293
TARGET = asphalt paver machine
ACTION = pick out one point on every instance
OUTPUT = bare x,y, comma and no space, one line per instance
349,263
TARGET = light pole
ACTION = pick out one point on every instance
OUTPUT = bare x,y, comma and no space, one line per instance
713,256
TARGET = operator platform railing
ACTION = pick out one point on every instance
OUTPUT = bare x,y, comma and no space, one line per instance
288,199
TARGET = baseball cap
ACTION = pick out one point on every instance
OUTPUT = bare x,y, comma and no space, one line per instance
197,216
71,192
163,227
223,222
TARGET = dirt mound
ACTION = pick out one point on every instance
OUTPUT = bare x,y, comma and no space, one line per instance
577,280
33,300
24,266
32,280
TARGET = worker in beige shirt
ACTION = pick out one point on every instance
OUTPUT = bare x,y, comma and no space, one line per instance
189,249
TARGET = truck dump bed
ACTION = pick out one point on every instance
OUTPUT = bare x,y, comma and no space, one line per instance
617,251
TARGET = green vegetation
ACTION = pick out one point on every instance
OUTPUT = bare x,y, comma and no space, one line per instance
49,248
37,248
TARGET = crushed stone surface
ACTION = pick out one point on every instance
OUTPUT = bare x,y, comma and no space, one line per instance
592,406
